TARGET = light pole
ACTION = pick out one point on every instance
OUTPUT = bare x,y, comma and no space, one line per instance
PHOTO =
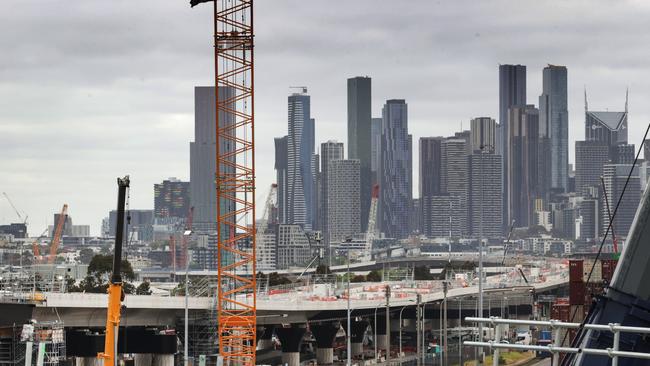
348,240
186,356
400,331
388,325
375,338
424,341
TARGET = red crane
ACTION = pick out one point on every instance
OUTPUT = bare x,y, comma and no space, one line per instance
58,233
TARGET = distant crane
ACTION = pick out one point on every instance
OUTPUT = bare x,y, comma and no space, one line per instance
188,230
371,233
58,233
15,209
263,222
36,249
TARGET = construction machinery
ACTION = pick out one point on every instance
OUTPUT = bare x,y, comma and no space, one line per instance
58,233
115,287
24,220
235,179
188,229
371,233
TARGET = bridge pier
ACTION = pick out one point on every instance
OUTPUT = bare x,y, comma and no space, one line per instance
290,339
325,335
265,336
142,359
88,361
379,328
356,335
163,360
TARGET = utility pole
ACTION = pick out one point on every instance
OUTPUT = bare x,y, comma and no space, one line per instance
444,305
418,326
388,325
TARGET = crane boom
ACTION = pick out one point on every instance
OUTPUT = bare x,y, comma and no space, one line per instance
58,233
115,293
14,207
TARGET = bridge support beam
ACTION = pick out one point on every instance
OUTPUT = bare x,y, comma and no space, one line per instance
356,335
265,336
325,335
142,359
290,338
88,361
380,327
163,360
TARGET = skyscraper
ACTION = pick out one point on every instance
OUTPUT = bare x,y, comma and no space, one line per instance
615,178
430,166
171,198
344,202
512,92
375,152
523,188
554,123
607,127
591,157
281,168
395,170
442,216
300,150
203,166
330,150
359,132
483,134
455,177
485,195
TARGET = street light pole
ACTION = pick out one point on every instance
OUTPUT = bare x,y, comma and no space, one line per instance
418,324
375,338
388,325
400,356
349,325
424,346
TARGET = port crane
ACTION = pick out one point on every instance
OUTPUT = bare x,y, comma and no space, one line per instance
115,287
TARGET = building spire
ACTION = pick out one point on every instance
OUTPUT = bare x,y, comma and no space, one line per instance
586,106
627,93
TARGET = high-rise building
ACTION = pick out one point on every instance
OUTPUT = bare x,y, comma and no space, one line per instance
281,168
589,219
171,198
203,166
554,123
375,151
395,170
646,150
591,157
139,228
623,154
442,216
607,127
329,151
523,166
294,247
485,195
483,134
359,135
300,162
615,178
455,175
430,166
512,92
344,201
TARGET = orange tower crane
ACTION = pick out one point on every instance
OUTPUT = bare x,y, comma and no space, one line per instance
58,233
235,179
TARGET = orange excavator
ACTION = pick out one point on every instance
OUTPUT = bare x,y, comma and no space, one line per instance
115,287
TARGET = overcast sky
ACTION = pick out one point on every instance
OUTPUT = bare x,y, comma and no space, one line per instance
95,89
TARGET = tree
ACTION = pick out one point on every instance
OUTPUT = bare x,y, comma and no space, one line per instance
373,276
99,273
143,289
358,278
86,255
421,273
323,269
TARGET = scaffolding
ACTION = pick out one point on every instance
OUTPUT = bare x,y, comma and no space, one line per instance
45,341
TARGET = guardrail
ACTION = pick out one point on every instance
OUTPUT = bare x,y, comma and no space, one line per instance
555,349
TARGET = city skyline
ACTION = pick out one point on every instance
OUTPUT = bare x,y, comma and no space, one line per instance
113,135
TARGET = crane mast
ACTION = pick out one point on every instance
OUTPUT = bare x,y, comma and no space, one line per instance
58,233
115,293
235,180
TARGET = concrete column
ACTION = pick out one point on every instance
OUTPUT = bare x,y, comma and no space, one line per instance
382,339
356,335
290,338
163,360
324,335
88,361
142,359
265,337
